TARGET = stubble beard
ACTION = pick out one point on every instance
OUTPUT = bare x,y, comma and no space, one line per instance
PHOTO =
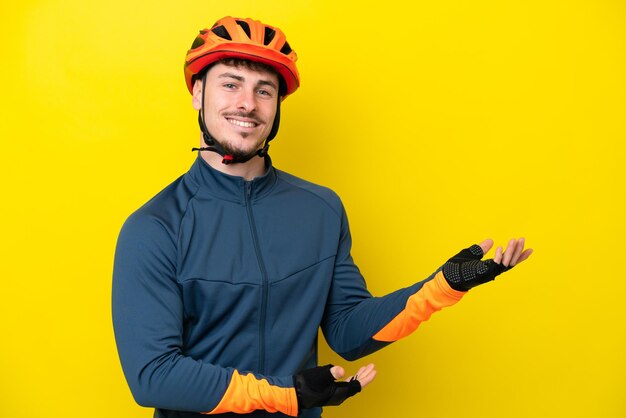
237,153
229,149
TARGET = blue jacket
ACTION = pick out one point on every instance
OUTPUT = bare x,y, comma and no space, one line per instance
220,286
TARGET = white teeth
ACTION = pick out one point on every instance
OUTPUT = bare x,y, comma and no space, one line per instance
242,124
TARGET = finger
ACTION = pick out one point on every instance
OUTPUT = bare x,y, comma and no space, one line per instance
518,251
363,371
366,375
338,372
367,379
525,255
508,253
486,245
498,257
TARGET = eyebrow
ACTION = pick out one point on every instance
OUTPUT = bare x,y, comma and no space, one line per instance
242,79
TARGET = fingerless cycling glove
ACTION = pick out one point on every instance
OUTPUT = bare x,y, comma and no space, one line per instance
466,270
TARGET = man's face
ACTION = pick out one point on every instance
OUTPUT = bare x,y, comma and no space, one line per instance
239,106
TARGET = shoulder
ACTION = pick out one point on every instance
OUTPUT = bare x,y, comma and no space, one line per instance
162,214
320,193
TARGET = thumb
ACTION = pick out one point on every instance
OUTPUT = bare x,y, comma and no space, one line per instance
338,372
486,245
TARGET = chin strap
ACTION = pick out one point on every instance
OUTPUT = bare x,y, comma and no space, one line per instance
213,145
227,158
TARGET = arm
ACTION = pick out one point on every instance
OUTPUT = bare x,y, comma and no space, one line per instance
148,322
356,324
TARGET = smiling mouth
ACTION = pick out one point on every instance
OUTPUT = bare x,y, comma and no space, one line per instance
242,123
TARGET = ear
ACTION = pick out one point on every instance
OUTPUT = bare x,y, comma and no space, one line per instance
196,99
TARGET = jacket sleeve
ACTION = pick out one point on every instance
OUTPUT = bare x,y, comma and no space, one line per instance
148,322
356,324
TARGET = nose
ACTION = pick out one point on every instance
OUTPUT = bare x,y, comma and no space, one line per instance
246,100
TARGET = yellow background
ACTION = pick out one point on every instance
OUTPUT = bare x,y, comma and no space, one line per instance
439,124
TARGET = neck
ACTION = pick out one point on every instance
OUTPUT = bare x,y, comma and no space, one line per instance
252,168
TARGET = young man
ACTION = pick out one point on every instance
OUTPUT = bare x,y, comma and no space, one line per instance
223,279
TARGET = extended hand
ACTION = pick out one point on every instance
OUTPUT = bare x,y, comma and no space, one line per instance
466,270
513,255
317,386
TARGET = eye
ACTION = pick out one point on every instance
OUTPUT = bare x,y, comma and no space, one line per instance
266,93
229,85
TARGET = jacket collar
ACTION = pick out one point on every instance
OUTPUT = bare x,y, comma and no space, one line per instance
233,188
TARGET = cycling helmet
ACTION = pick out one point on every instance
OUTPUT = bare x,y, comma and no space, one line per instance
249,39
245,39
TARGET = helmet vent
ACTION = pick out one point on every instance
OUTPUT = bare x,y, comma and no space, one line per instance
269,35
197,42
244,26
286,49
221,32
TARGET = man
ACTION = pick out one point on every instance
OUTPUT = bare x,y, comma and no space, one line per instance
223,279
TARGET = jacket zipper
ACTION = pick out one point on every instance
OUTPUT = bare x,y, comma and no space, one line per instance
264,297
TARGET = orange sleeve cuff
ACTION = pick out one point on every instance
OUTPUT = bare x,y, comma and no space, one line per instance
246,393
434,295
